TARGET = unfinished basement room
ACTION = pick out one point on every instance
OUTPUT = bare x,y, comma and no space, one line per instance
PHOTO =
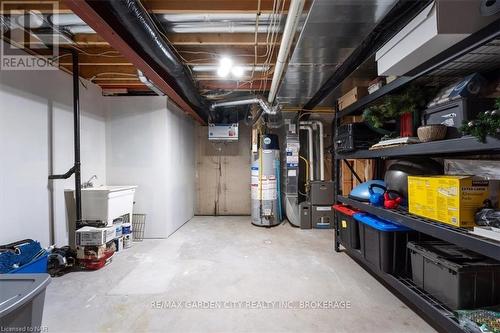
250,166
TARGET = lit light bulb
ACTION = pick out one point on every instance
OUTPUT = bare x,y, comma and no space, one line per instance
225,65
237,71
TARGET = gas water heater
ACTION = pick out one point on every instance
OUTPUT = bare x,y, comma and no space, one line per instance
265,182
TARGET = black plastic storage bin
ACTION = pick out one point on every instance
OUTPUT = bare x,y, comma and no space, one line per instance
348,226
458,277
383,244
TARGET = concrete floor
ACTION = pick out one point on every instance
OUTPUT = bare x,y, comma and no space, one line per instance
227,262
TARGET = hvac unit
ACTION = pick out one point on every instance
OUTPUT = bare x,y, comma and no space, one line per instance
223,132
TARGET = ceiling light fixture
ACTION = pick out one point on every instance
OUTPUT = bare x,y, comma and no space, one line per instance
225,65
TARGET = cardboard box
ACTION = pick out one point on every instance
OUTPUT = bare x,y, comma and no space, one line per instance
448,199
351,120
95,236
352,96
481,170
118,244
94,252
364,168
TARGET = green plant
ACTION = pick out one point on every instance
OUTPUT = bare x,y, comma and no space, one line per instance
412,100
486,123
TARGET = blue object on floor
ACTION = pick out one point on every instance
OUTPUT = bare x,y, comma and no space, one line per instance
38,265
26,256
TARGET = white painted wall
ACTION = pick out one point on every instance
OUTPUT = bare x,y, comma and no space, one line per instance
150,143
31,103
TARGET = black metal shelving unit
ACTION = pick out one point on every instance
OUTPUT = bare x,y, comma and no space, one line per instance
458,236
466,145
473,53
441,317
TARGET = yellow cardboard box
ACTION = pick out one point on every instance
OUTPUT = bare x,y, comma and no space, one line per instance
448,199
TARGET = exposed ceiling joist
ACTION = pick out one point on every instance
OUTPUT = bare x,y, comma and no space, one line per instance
101,26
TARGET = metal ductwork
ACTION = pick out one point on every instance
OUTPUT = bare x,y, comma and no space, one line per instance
266,107
133,23
319,124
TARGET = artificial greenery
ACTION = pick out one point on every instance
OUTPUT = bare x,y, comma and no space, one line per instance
486,123
412,100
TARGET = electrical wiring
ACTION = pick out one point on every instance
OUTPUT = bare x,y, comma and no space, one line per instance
275,36
272,37
307,176
256,40
110,73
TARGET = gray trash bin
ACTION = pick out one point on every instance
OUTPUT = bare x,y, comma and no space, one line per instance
21,301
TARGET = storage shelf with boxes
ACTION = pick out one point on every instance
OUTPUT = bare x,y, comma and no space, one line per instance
455,205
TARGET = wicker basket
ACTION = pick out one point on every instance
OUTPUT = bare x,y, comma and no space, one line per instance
432,132
138,225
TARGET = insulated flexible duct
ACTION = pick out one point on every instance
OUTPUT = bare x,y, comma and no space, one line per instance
136,26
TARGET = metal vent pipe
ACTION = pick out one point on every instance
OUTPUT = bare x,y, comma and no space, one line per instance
266,107
321,145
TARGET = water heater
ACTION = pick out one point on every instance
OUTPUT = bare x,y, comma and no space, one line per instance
265,182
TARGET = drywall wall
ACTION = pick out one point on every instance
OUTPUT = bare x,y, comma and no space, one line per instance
223,174
150,143
36,138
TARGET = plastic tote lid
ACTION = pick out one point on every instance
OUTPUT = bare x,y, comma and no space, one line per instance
378,223
452,256
345,210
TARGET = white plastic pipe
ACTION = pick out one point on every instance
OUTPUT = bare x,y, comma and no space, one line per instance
292,21
220,27
310,144
321,146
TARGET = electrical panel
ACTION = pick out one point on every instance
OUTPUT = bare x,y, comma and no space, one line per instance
223,132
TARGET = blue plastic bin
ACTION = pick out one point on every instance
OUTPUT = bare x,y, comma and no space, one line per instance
383,244
38,265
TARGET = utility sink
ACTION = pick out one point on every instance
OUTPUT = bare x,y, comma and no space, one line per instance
107,202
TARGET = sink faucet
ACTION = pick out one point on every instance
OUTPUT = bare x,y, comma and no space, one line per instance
89,183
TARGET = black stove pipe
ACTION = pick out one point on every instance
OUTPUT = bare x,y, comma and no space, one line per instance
136,26
75,169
